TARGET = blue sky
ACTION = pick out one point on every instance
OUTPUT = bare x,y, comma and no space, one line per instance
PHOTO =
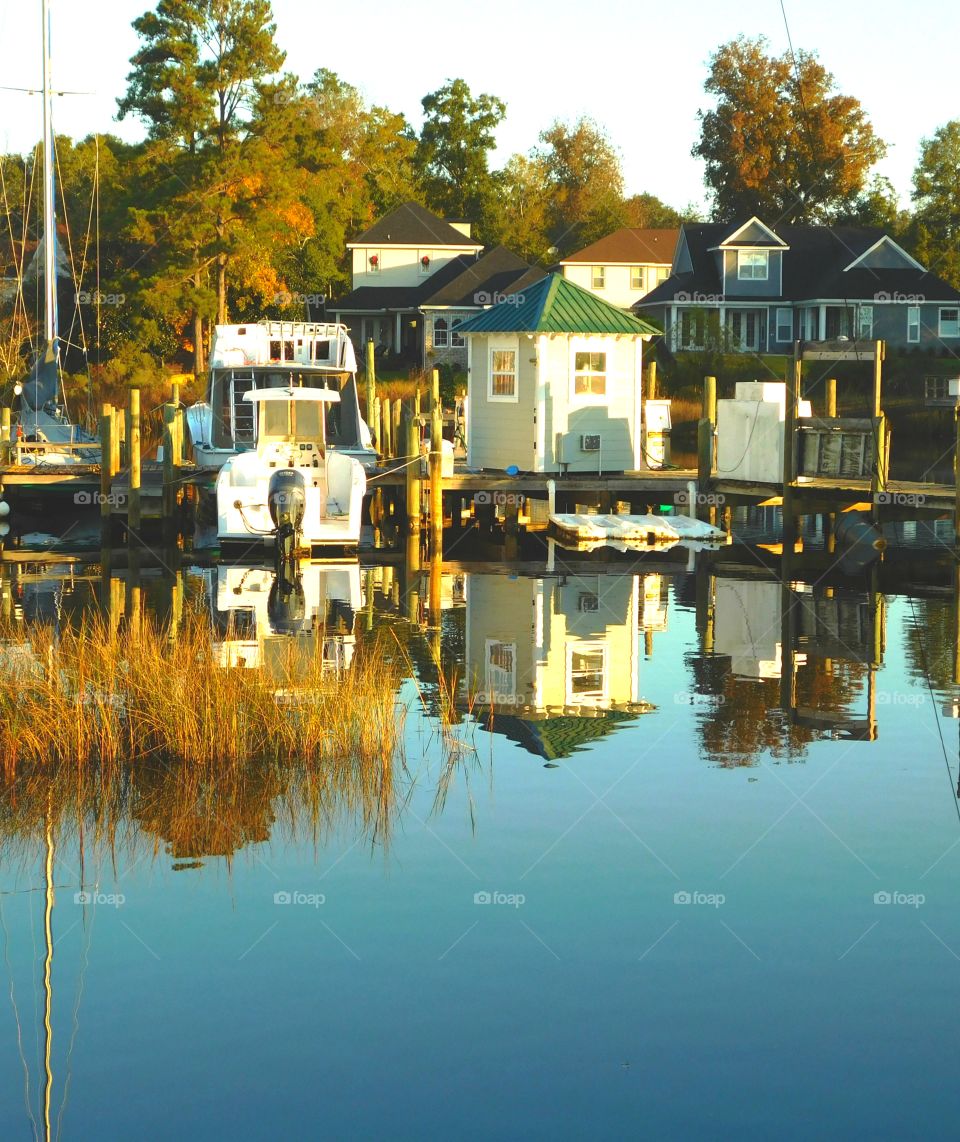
637,68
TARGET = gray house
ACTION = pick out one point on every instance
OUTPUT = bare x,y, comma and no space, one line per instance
755,288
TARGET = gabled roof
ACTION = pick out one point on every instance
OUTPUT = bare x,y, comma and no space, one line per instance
629,246
413,225
762,235
556,305
820,264
497,272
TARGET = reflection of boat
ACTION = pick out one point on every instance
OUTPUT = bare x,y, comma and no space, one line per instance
276,354
293,492
258,614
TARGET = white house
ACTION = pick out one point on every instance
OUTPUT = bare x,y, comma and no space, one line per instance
624,266
555,382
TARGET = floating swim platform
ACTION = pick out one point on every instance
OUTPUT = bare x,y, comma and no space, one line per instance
646,530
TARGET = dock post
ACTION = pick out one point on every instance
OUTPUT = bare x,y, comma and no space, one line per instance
133,447
106,454
831,397
705,435
372,392
413,485
4,424
387,436
375,428
169,460
651,390
436,467
794,375
395,428
416,402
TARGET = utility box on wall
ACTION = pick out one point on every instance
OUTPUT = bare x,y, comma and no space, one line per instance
750,432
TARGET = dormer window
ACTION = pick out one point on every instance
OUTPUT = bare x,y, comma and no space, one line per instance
753,265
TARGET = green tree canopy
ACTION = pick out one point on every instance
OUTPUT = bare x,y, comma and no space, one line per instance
936,193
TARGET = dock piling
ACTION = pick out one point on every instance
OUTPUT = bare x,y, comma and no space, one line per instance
436,467
106,455
133,447
831,397
371,393
413,485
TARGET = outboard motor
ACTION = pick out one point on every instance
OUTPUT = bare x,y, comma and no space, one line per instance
287,500
287,604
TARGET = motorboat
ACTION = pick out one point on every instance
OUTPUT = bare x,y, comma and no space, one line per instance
276,354
293,493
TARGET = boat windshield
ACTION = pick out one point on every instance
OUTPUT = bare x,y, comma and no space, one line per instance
292,420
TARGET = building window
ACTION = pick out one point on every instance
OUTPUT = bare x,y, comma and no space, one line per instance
590,374
913,324
441,337
503,375
752,265
865,323
693,329
501,671
424,260
662,274
586,673
950,322
636,277
784,324
598,277
456,339
373,261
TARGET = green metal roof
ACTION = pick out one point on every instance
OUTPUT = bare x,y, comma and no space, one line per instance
556,305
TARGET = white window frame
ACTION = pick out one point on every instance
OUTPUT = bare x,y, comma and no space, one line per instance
598,272
788,324
591,348
497,679
753,266
941,332
421,254
504,398
367,255
913,324
589,697
663,272
864,322
456,339
638,275
437,342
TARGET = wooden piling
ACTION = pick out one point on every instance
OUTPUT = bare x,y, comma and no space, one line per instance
133,447
396,428
169,460
375,427
831,397
387,435
436,467
372,392
4,424
706,428
414,501
790,419
651,388
106,453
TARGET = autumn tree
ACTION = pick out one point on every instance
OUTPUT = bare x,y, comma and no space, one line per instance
936,193
781,141
453,151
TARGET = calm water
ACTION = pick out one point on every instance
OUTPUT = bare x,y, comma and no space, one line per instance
648,898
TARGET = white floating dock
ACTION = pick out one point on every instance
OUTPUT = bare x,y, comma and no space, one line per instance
648,530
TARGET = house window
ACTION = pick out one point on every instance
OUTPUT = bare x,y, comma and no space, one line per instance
950,322
503,375
456,339
598,277
441,336
501,671
913,324
590,374
752,265
373,261
425,259
865,323
662,274
636,277
784,324
693,329
586,673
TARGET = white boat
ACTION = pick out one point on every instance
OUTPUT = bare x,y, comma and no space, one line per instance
269,355
293,493
257,611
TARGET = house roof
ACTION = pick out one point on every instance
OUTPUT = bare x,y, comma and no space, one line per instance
497,272
555,305
413,225
629,246
814,268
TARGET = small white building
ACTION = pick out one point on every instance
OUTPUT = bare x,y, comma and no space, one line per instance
555,382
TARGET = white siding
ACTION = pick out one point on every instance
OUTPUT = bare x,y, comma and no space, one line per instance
617,289
502,432
398,266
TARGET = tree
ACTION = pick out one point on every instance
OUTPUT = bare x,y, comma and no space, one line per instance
936,192
781,142
452,156
584,171
524,202
194,84
648,212
877,205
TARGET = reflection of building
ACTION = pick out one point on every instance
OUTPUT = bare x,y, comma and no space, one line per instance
257,618
556,661
748,626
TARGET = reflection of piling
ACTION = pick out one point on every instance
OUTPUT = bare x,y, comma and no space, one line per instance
134,608
436,467
436,579
412,572
133,441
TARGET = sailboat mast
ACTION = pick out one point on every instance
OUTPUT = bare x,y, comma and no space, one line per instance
49,176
